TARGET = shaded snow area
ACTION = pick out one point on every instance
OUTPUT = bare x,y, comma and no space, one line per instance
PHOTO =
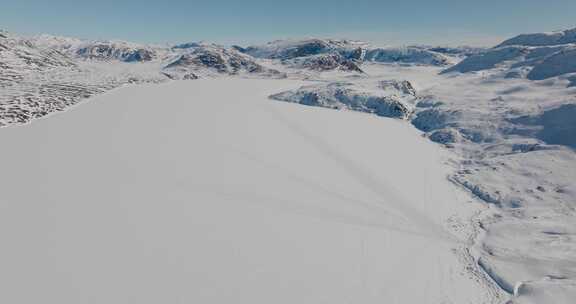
206,191
227,175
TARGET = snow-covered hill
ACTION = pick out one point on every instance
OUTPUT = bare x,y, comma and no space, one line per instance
111,50
329,54
199,60
290,49
532,56
324,62
385,98
42,75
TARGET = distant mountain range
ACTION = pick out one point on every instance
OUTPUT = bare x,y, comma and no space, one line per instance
45,73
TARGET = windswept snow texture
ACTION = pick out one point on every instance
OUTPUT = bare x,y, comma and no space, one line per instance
38,78
389,98
208,192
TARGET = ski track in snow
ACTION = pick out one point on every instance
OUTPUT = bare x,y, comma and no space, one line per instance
249,199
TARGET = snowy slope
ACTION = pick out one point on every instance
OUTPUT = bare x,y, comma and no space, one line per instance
515,137
208,192
532,56
543,39
115,50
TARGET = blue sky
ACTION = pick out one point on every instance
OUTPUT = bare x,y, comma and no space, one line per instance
253,21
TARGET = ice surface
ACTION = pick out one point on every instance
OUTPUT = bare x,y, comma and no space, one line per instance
207,191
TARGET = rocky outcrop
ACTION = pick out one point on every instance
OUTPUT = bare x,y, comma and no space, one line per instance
383,101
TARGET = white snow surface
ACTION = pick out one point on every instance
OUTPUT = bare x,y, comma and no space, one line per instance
207,191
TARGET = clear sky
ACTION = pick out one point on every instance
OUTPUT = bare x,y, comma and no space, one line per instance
396,22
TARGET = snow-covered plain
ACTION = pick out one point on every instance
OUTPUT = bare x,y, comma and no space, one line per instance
283,202
209,192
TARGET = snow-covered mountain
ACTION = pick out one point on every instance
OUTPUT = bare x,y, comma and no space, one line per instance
42,75
196,60
324,62
290,49
111,50
329,54
19,55
533,56
542,39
